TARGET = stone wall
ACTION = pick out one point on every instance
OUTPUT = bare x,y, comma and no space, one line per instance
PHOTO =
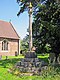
13,47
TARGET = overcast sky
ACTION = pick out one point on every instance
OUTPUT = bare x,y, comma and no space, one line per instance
8,11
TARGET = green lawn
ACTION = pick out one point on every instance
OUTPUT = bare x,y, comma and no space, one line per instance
10,62
6,64
43,56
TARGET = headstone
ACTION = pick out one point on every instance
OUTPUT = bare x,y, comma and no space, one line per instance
58,59
16,54
0,57
52,57
6,57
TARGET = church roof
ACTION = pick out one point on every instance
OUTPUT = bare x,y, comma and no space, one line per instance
7,30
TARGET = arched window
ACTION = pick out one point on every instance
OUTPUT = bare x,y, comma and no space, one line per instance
5,45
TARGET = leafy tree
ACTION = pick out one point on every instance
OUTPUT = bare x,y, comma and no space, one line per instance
46,27
24,44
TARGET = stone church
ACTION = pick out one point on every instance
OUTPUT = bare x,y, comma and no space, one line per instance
9,39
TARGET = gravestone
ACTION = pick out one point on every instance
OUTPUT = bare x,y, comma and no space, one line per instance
52,57
0,57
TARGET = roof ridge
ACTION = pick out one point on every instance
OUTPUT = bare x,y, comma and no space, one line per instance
4,21
10,33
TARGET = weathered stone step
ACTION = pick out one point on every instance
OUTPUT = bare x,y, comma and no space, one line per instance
30,60
30,55
30,65
29,69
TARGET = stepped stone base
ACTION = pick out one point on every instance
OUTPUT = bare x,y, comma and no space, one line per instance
30,55
30,64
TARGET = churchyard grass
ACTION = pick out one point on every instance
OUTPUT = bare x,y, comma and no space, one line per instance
43,55
5,64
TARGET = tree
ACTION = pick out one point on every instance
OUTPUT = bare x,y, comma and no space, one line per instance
47,27
24,44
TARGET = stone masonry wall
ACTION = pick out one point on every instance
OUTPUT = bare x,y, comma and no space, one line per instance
13,47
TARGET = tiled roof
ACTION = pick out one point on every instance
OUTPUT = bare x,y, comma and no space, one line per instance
7,30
